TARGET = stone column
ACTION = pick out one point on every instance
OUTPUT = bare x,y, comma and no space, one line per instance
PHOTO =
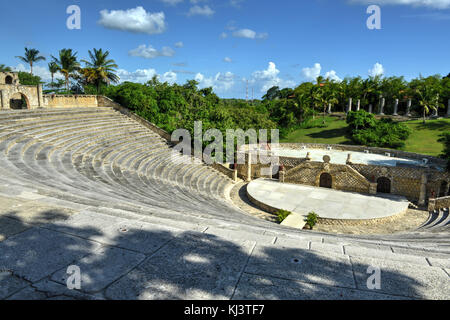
408,108
40,96
448,108
249,167
1,100
396,107
370,108
350,103
235,175
423,190
281,176
358,105
382,103
349,158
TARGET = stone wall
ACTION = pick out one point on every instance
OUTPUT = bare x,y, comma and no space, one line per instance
439,203
32,95
70,101
417,184
344,177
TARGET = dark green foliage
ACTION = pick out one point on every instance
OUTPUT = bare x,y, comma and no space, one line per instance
360,120
282,215
28,79
311,219
174,107
386,133
445,139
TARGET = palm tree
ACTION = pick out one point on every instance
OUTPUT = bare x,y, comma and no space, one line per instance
100,69
67,64
4,68
428,100
53,68
31,56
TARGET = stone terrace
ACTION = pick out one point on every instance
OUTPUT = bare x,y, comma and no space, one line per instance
96,189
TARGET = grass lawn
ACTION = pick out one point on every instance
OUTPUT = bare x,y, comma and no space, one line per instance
422,140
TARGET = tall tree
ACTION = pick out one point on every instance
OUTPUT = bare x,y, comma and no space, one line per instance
100,69
67,64
31,56
53,68
4,68
428,91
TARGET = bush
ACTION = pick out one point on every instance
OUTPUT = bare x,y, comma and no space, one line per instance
311,219
27,79
282,215
384,133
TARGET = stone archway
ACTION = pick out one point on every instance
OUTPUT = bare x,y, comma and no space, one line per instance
384,185
326,180
19,101
9,80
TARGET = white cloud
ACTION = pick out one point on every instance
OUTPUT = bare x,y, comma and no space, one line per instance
437,4
332,76
140,75
227,59
172,2
42,72
150,52
201,11
377,70
223,35
145,75
311,74
179,44
236,3
135,20
249,34
170,77
220,83
268,78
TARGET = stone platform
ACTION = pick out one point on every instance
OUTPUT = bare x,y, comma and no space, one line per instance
331,205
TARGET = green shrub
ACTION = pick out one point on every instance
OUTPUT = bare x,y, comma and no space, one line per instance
311,219
282,215
384,133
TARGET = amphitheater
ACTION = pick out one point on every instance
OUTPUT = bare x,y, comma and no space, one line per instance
97,188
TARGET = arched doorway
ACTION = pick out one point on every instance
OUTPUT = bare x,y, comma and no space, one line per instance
443,191
9,80
326,181
19,101
384,185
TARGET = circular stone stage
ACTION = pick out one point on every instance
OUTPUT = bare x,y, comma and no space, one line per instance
332,206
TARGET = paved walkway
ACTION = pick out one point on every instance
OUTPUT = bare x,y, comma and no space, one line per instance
121,258
327,203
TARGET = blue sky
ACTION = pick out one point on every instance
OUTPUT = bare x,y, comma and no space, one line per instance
224,43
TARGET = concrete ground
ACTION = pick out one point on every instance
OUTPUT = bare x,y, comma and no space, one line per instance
121,258
327,203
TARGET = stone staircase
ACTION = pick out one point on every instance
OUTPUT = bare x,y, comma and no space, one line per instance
103,164
439,220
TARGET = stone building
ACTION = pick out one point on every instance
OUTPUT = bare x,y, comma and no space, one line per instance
13,95
417,183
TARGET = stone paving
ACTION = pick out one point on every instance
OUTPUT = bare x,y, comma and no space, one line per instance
94,189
